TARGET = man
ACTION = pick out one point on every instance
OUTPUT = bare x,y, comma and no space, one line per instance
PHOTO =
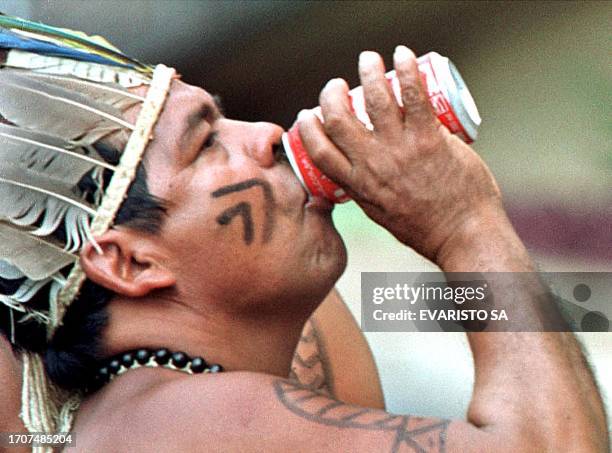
203,287
243,257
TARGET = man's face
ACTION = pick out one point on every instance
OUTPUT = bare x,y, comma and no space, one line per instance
239,229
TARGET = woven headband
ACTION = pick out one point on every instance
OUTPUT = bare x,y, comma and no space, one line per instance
122,178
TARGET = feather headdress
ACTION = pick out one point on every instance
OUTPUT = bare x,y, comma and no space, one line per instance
62,94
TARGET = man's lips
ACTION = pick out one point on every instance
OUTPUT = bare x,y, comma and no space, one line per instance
318,204
309,202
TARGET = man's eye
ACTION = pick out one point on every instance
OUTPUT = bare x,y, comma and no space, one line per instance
210,140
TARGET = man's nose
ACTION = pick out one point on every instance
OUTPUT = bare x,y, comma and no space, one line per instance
260,141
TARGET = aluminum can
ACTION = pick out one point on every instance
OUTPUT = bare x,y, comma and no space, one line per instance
448,94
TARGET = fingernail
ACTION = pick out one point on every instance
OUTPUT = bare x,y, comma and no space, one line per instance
336,81
402,53
368,58
303,114
330,82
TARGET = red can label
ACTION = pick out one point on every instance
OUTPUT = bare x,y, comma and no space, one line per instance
315,182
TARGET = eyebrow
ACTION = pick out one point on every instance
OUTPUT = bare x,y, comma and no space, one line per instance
206,111
219,103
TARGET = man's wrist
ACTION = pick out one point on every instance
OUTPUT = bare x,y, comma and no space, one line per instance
484,242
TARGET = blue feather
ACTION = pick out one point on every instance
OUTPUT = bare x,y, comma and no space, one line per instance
11,40
76,42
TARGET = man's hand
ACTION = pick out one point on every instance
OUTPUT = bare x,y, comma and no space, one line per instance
409,174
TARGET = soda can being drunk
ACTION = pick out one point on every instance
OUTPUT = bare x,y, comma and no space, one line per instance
448,94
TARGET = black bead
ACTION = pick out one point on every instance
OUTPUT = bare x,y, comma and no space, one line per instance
114,366
142,356
127,359
162,356
104,373
198,365
179,359
216,368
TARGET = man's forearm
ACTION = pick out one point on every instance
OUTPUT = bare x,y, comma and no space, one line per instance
534,386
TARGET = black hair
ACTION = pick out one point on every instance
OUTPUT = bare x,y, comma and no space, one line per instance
71,355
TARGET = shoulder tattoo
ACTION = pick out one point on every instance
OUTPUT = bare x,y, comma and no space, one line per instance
410,433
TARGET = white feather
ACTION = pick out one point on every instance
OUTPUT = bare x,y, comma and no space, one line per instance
40,106
9,272
111,94
77,230
54,214
40,317
48,153
12,304
95,72
28,289
39,184
27,209
19,212
36,258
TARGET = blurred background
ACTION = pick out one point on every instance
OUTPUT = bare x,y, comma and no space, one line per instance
540,74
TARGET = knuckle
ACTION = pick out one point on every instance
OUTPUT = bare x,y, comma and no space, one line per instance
372,167
379,103
411,94
317,154
363,188
430,141
386,175
333,123
364,183
415,102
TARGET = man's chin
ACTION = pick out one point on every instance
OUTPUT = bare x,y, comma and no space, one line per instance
337,260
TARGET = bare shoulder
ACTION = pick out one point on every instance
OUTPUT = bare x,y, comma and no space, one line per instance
250,412
10,373
7,356
10,390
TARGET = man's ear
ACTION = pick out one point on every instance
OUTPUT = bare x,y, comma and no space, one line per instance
130,264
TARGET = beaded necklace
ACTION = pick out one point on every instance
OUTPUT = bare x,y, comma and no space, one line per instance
159,358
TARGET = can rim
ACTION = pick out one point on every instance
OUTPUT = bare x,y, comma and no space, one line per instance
292,161
458,94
